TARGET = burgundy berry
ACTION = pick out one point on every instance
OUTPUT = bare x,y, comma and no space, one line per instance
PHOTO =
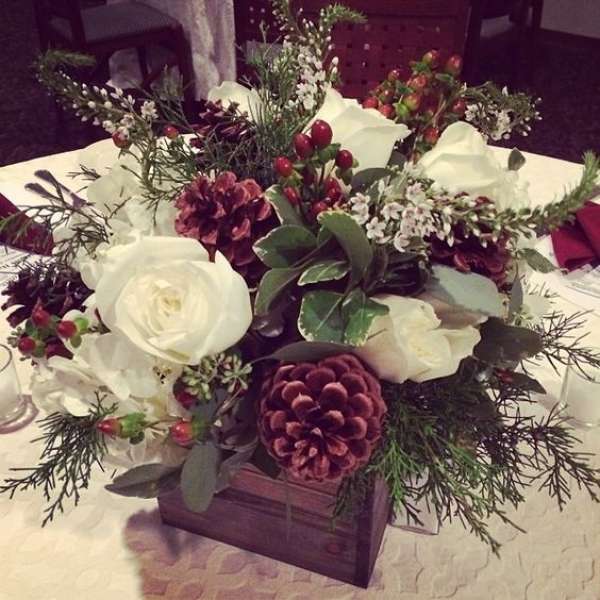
292,195
454,65
318,207
303,145
321,134
394,75
370,102
412,101
120,140
66,329
431,135
170,131
26,345
40,317
182,433
283,166
344,160
387,110
110,426
459,107
432,58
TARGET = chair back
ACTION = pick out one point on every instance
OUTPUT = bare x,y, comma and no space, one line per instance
396,32
67,10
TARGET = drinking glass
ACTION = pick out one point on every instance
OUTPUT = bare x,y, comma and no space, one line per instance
13,404
580,397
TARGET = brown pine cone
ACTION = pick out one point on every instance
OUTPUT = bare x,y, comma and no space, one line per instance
321,421
229,216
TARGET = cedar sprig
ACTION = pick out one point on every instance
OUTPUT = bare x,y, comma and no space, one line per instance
73,448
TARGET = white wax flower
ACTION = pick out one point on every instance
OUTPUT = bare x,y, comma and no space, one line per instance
410,343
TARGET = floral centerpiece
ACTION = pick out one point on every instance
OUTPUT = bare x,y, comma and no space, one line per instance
326,288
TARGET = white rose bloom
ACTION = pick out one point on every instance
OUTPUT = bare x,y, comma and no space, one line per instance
167,298
409,342
461,161
228,92
364,131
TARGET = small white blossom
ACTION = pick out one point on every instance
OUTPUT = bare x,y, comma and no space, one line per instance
148,110
375,229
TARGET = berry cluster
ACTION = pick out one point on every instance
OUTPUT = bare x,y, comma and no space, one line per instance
130,427
308,182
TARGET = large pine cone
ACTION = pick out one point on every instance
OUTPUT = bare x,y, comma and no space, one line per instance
321,421
226,215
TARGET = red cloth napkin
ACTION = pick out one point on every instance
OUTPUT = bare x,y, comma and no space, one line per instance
578,243
35,237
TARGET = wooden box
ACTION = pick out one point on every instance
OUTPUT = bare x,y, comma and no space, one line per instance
251,514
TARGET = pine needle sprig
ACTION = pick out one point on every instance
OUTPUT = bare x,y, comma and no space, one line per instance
72,449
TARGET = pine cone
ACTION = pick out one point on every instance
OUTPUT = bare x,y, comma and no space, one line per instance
321,421
226,125
229,216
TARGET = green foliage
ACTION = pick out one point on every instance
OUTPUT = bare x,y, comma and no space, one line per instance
320,318
308,351
501,343
199,476
536,261
285,211
285,245
146,481
272,285
358,313
324,270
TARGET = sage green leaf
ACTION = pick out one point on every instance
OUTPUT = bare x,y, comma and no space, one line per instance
285,245
502,343
358,313
146,481
537,261
231,465
470,291
308,351
352,239
367,177
516,298
324,270
515,160
320,317
199,476
271,286
285,211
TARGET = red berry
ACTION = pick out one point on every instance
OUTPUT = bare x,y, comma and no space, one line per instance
432,58
40,317
459,107
333,191
170,131
387,97
412,101
431,135
303,145
321,134
120,140
344,160
418,82
454,65
66,329
292,195
370,102
182,433
186,399
283,166
387,110
318,207
110,426
394,75
26,345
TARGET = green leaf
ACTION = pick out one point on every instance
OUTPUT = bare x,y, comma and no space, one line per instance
367,177
537,261
308,351
358,312
231,465
285,245
470,291
352,239
285,211
324,270
263,461
272,285
501,343
146,481
515,160
199,476
320,317
516,298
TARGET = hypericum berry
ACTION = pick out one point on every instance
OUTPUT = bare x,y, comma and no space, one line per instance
66,329
454,65
459,107
418,82
40,317
120,140
292,195
303,145
186,399
182,433
431,135
387,97
110,426
344,160
333,191
318,207
394,75
283,166
26,345
387,110
321,134
412,101
432,58
170,131
370,102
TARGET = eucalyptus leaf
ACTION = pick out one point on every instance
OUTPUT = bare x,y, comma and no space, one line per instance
146,481
231,465
470,291
271,286
285,245
367,177
324,270
358,313
537,261
501,343
515,160
320,317
199,476
516,298
285,211
308,351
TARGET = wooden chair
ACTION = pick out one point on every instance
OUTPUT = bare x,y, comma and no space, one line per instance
102,30
509,26
396,32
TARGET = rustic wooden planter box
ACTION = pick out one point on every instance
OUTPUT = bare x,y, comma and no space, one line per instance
251,514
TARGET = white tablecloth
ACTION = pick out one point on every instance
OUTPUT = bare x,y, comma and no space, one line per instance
210,30
110,547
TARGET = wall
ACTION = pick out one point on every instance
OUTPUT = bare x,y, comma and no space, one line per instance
579,17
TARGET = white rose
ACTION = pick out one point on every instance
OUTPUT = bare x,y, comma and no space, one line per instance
461,161
364,131
170,300
409,342
229,92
